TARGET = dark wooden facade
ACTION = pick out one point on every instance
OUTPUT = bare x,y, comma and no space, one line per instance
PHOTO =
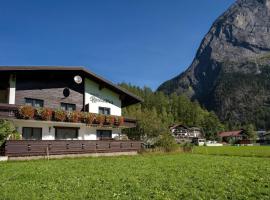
16,148
52,74
49,87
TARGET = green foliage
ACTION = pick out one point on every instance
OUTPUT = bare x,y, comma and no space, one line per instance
187,147
243,98
212,126
7,129
250,132
159,111
174,177
244,151
167,142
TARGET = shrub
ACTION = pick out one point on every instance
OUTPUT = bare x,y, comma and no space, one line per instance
59,115
26,112
44,113
7,129
15,136
73,116
187,147
167,142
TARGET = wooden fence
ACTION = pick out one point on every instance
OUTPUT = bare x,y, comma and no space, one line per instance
15,148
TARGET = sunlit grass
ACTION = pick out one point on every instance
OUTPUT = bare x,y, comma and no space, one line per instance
248,151
175,176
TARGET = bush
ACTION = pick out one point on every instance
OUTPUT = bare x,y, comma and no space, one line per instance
167,142
15,136
187,146
59,115
26,112
44,114
7,129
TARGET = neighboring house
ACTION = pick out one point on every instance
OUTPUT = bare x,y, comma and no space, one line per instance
260,134
183,133
263,137
226,136
69,89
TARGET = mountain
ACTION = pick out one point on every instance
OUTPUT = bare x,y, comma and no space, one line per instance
230,73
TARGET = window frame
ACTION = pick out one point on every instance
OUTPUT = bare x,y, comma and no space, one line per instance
73,128
104,108
100,137
33,102
32,132
66,106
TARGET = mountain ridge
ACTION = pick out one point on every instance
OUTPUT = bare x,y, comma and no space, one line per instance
238,43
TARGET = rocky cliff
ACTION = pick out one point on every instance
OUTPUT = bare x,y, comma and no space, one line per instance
231,70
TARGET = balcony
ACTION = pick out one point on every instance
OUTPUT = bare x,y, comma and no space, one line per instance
8,111
20,148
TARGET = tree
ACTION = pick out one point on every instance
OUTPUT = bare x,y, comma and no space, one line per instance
7,129
158,111
250,132
211,126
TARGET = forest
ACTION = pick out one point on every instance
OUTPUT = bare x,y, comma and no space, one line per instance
158,111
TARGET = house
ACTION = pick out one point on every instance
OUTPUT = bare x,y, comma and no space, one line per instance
64,110
263,137
183,133
236,135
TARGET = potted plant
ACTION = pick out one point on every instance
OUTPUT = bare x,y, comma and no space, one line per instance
73,116
100,119
119,121
26,112
44,114
59,115
110,120
87,117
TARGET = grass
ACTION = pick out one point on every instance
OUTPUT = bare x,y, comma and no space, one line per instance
247,151
172,176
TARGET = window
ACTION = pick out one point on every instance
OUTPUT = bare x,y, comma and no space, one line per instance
68,106
104,134
65,133
104,111
34,102
3,96
30,133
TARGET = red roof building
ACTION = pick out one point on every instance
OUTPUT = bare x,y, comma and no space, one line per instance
231,133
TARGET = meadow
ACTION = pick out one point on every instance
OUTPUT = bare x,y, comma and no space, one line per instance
167,176
247,151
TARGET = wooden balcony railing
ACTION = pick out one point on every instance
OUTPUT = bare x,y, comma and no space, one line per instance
9,111
18,148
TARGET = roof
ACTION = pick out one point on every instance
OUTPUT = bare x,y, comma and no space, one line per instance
128,96
230,133
178,125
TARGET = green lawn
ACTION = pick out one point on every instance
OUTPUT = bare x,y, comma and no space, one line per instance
255,151
174,176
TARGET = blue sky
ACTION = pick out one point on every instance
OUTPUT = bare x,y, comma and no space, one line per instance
143,42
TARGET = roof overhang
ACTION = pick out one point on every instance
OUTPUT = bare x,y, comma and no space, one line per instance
127,97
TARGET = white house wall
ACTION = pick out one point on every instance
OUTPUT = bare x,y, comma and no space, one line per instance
96,97
48,130
12,89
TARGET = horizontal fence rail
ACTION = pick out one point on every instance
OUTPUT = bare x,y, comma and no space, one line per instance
16,148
